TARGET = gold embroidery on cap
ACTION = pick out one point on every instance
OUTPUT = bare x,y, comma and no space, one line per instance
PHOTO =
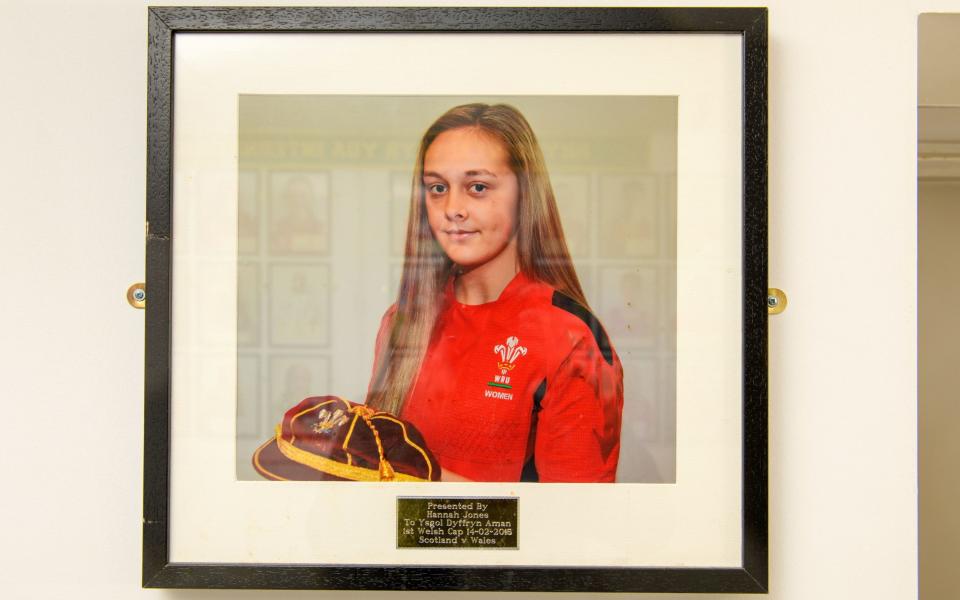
332,467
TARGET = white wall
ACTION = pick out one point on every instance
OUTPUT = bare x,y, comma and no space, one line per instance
842,244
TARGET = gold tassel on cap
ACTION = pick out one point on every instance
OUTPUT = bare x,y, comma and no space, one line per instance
386,471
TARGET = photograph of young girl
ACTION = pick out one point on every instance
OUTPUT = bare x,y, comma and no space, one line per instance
489,353
490,349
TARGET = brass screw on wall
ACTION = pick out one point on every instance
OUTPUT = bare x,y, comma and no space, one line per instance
137,295
776,301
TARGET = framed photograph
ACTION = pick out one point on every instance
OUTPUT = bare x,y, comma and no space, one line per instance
248,391
248,209
422,319
299,213
248,303
299,304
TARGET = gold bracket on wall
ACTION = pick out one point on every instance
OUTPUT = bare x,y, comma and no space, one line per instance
776,301
137,295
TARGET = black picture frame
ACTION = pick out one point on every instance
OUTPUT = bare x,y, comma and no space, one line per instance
167,22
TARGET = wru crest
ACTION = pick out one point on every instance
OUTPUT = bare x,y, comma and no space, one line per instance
509,354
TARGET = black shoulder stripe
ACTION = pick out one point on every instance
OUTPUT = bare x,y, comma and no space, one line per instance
570,305
529,471
538,395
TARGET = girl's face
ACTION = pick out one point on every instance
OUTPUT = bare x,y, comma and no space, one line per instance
471,198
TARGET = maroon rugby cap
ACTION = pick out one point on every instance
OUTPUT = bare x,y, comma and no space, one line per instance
329,438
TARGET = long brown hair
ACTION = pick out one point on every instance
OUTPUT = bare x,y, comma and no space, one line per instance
541,248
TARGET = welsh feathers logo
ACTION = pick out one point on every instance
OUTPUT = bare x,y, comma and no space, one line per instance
509,354
327,421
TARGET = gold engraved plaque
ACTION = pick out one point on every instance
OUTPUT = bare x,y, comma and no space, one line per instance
457,522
